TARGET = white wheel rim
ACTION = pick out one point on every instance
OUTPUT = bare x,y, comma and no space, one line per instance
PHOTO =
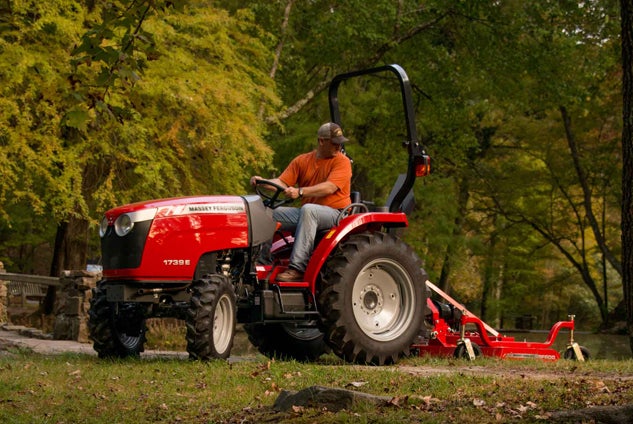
383,300
223,324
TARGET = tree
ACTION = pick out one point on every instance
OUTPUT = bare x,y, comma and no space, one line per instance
526,54
626,15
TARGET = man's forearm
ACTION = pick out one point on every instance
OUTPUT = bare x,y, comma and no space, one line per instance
320,190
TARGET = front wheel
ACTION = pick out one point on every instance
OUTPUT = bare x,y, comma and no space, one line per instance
117,330
211,318
373,299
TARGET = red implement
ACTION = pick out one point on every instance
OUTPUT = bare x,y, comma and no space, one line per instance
468,337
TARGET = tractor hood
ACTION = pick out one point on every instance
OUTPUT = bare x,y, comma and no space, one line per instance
167,237
181,206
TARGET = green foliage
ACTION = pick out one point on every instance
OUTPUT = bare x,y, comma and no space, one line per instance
150,101
190,124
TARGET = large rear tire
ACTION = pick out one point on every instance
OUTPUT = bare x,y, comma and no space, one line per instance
117,331
373,299
287,341
211,318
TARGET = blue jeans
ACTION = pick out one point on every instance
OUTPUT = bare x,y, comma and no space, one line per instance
305,222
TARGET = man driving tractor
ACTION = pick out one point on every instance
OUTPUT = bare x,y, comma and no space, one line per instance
321,179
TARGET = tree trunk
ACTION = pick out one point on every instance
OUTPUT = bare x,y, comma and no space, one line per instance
587,198
489,282
626,11
462,203
70,253
280,45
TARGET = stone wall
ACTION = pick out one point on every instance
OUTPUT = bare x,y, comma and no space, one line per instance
70,315
72,304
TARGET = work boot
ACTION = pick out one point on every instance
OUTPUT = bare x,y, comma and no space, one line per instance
290,274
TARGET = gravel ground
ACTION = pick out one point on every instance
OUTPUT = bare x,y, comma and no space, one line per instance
15,336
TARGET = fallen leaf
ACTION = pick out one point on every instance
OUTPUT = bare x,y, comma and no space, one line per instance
479,402
601,387
261,368
428,400
356,384
398,401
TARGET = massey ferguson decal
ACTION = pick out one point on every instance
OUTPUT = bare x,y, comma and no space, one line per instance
205,208
215,208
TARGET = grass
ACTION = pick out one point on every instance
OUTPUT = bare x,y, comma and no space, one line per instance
84,389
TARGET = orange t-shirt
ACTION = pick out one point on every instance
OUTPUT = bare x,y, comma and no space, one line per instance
306,170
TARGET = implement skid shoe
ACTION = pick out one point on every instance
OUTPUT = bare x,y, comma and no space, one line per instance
579,355
443,339
469,349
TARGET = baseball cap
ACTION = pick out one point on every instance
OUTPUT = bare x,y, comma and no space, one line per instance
332,132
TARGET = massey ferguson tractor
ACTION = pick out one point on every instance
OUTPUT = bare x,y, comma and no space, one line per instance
212,261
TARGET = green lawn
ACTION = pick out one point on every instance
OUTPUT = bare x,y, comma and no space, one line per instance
84,389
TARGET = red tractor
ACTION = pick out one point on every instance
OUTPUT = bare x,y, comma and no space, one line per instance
212,261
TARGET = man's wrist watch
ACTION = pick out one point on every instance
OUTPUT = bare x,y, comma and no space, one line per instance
300,192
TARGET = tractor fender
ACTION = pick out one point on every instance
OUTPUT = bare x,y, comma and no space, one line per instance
353,224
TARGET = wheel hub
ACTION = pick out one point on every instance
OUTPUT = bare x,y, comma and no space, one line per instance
371,300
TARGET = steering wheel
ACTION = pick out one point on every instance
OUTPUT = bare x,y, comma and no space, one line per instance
272,201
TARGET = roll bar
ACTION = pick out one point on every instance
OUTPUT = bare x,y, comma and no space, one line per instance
416,151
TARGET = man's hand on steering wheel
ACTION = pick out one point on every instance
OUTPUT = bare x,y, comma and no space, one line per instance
271,201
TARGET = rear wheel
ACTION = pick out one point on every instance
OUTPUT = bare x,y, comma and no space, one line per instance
300,342
117,330
373,299
461,351
570,353
211,318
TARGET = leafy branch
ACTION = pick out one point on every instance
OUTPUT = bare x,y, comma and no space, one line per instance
113,52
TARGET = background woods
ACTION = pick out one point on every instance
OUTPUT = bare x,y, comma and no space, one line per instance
519,104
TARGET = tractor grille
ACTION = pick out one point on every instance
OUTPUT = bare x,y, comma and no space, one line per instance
127,251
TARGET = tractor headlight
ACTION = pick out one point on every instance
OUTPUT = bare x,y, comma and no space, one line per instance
123,225
103,227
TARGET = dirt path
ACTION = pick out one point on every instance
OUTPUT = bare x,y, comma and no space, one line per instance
14,336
